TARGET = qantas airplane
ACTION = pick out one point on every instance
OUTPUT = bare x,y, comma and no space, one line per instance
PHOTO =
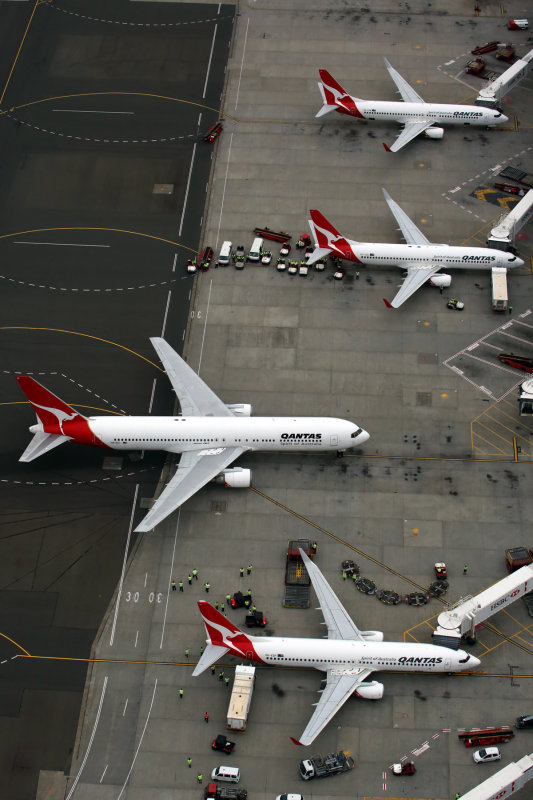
210,434
414,113
348,656
421,259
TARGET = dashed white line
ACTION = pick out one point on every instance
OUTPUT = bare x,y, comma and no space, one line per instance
126,549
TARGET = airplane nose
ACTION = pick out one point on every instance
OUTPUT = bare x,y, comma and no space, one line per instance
518,262
474,662
503,118
363,437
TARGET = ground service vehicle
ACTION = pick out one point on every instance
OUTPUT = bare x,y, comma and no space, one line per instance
518,362
487,754
518,24
407,768
221,743
205,258
241,697
521,191
213,132
274,236
484,48
517,557
255,619
500,298
332,764
518,175
215,792
228,774
225,254
256,249
525,722
290,797
486,736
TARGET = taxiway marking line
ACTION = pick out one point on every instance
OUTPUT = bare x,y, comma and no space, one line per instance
139,744
112,230
187,189
210,59
170,577
86,756
242,62
224,190
3,635
65,244
106,94
18,51
205,325
123,572
79,111
85,335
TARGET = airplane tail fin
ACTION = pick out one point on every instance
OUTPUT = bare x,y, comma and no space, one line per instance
222,636
327,238
51,413
335,97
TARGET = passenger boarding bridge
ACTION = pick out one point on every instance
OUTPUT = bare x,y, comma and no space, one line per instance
492,93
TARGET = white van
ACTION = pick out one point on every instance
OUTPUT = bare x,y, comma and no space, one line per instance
229,774
225,254
255,250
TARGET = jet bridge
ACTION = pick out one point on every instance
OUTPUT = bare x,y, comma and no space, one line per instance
505,782
492,93
502,235
463,618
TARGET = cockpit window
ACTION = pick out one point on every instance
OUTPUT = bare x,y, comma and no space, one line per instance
464,660
511,258
356,433
497,115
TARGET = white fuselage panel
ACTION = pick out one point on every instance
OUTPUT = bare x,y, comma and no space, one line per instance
437,113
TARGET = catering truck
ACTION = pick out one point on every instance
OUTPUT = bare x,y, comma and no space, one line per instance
500,299
241,697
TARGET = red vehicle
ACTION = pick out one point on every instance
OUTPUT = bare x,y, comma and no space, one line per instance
510,189
213,132
506,53
222,744
303,241
407,768
518,362
488,47
440,570
481,737
255,619
518,24
205,258
274,236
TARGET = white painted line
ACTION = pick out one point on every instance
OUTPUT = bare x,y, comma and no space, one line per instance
125,706
64,244
205,325
242,62
166,314
145,579
136,638
126,549
140,743
187,189
174,262
79,111
224,190
152,399
170,578
86,756
210,59
104,772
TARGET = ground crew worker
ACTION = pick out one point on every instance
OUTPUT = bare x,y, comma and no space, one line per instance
189,578
344,576
314,547
247,604
187,652
241,571
206,587
510,309
249,569
195,574
206,716
189,762
254,608
216,605
173,584
201,651
465,569
181,694
180,584
356,276
249,592
228,598
212,669
222,607
354,576
226,681
200,777
221,675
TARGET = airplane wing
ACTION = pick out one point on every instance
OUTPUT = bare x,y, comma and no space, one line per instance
410,131
411,233
341,683
196,398
417,275
196,468
407,92
340,624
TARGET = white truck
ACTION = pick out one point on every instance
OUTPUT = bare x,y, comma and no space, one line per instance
500,298
241,697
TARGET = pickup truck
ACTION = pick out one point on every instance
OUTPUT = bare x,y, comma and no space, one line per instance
332,764
215,792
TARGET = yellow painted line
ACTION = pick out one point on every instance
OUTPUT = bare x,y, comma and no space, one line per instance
112,230
74,405
505,427
111,94
497,435
18,51
16,644
85,335
487,441
504,414
515,449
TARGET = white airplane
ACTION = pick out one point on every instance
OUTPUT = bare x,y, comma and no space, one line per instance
348,656
414,113
210,434
421,259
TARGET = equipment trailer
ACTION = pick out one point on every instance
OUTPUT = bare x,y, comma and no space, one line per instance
332,764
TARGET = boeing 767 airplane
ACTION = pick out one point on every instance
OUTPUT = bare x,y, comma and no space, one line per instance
209,434
348,656
421,260
414,113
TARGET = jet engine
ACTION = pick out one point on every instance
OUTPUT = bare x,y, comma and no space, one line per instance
240,409
372,636
373,690
434,132
442,279
235,478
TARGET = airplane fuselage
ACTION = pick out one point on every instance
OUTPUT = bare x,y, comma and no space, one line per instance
324,654
438,113
450,256
179,434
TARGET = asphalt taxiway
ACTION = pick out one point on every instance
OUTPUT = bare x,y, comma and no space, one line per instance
99,108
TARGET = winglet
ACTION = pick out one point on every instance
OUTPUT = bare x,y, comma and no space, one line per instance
387,303
387,148
295,741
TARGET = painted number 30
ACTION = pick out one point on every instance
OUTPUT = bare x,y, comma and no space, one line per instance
197,314
135,596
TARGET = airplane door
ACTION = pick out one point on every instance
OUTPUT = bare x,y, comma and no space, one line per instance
334,440
249,655
447,663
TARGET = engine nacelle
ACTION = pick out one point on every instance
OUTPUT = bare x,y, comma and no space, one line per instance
442,279
240,409
434,132
372,636
235,478
370,691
